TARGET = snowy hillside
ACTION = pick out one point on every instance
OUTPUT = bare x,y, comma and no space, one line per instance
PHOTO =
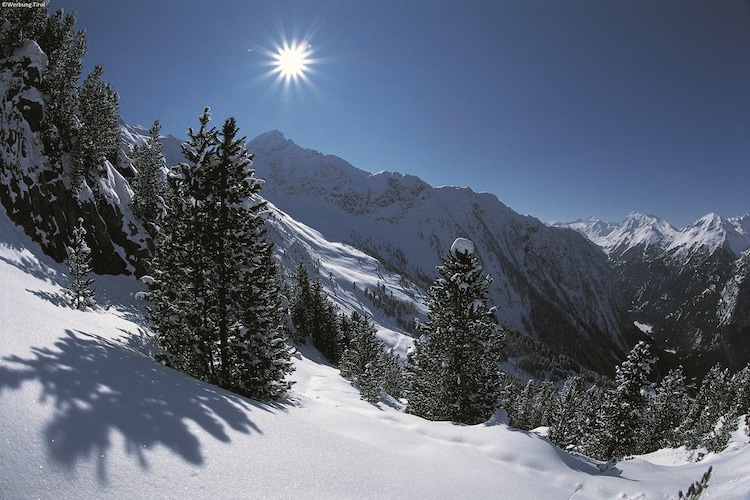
85,413
346,274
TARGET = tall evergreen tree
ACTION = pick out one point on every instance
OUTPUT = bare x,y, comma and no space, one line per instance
453,371
624,413
216,302
741,388
522,412
709,410
65,48
589,421
249,310
568,417
393,374
149,185
80,293
667,411
99,136
361,361
545,401
300,302
180,311
324,326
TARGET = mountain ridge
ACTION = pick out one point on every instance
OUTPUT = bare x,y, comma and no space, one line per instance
549,283
553,284
688,284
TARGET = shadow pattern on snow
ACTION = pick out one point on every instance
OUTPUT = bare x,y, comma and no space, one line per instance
56,299
33,267
98,386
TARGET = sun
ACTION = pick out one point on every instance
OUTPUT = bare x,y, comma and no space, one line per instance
292,62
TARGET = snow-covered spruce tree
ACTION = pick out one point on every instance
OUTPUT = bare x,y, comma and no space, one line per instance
545,400
324,328
216,291
623,416
393,374
65,48
99,136
735,405
589,420
567,418
741,390
522,409
314,315
299,302
453,372
180,312
80,293
709,411
149,186
362,360
250,314
667,411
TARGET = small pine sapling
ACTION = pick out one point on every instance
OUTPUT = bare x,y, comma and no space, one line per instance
696,489
80,293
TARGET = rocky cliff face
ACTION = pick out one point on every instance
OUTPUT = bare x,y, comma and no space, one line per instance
37,193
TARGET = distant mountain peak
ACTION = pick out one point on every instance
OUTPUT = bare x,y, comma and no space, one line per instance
272,135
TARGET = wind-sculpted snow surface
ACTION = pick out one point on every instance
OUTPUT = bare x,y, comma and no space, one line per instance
550,283
85,413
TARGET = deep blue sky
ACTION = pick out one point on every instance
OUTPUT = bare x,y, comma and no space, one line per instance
563,109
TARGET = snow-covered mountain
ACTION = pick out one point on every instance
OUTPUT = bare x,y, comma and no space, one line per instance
637,230
642,231
688,283
548,282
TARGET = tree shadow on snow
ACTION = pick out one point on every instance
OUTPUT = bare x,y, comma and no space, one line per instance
56,299
34,267
98,387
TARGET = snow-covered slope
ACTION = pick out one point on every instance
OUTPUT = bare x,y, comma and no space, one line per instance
348,274
550,283
85,413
